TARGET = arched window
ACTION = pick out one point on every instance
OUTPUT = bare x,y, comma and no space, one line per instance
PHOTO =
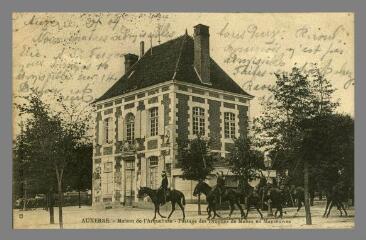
198,116
154,121
130,128
229,124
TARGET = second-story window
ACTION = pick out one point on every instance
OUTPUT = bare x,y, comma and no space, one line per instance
130,128
108,130
198,116
154,124
229,122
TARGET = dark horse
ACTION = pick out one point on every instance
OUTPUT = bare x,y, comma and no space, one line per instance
276,196
213,197
253,199
336,196
174,197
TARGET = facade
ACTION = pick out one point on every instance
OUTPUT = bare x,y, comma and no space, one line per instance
172,91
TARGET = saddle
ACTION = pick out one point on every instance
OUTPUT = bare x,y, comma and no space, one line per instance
165,194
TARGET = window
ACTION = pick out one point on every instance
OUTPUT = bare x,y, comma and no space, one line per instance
198,121
108,130
153,172
130,128
108,167
154,124
229,122
107,178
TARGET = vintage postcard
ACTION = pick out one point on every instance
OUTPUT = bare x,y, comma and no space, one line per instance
125,120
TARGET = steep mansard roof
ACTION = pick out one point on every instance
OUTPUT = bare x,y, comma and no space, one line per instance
172,60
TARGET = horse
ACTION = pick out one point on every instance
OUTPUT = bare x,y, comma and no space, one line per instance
275,195
299,196
213,196
174,197
336,196
253,199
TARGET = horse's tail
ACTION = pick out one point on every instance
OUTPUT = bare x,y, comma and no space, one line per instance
183,199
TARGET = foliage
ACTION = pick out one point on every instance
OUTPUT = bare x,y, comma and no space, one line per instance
49,144
329,144
297,97
244,160
196,161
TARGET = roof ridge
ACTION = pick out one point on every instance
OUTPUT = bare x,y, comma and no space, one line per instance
159,45
180,54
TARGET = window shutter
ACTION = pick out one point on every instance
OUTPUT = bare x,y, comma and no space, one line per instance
161,121
120,128
137,125
100,132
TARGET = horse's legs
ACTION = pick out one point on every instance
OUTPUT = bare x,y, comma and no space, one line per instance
155,210
182,207
330,208
248,208
214,210
326,207
299,205
160,213
173,208
259,211
232,207
208,211
242,214
339,208
344,209
281,212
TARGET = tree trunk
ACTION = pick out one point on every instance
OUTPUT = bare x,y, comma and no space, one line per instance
79,198
60,203
199,204
50,207
25,196
306,192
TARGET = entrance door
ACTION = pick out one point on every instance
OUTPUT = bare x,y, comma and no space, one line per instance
129,177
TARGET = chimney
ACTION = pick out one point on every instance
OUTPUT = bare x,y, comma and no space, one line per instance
142,48
202,52
130,59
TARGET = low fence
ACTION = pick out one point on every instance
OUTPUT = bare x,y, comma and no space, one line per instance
69,199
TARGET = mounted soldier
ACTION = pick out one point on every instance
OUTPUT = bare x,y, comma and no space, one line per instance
220,185
163,191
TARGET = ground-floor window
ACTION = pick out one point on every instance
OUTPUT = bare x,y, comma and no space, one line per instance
153,172
107,178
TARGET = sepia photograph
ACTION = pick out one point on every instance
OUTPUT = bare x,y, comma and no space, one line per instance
163,120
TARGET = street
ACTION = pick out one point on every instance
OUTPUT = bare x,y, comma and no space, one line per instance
134,218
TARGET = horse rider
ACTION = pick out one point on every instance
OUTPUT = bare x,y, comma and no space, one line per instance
220,184
163,190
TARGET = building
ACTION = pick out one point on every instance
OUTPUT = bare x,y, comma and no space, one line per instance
173,90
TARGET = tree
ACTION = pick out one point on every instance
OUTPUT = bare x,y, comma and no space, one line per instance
51,139
196,161
330,143
245,160
296,98
79,176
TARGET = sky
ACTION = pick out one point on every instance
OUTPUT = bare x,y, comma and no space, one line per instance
81,55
